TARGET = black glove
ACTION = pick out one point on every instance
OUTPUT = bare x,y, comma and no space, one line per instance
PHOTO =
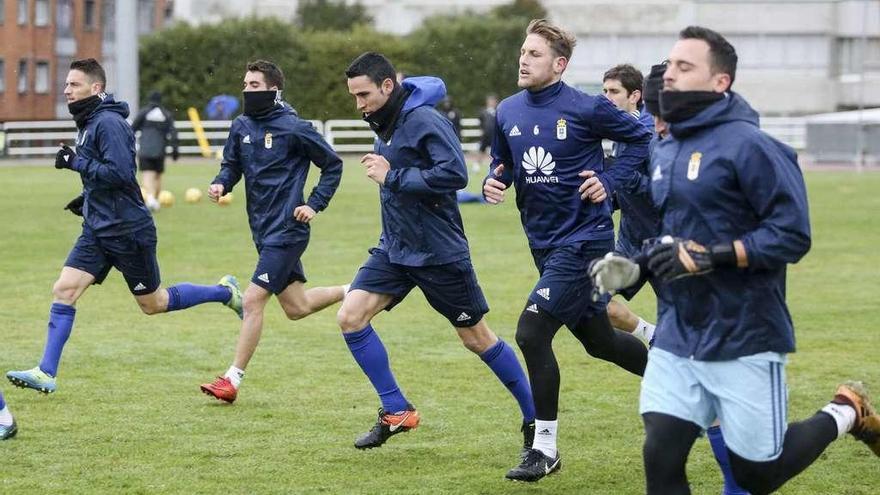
674,258
64,158
76,205
175,154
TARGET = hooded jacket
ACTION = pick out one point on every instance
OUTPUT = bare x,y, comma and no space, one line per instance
421,223
273,152
105,161
638,217
156,125
718,178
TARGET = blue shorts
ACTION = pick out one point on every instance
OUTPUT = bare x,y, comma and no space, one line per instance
279,266
747,395
132,254
451,289
625,247
565,288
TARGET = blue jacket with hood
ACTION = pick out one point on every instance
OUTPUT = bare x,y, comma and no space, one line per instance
639,219
273,152
718,178
105,160
421,223
545,139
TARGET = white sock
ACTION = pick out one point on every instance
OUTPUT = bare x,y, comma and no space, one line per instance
235,376
844,416
644,331
5,416
545,437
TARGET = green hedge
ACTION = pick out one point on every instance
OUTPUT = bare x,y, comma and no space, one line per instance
474,54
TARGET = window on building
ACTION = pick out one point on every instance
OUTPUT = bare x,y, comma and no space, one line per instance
41,13
2,76
108,20
22,76
89,14
41,78
23,13
146,15
64,18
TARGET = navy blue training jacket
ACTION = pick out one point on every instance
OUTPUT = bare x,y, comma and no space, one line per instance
105,162
421,223
273,153
639,219
718,178
544,139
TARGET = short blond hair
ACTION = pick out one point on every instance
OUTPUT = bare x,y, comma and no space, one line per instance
561,41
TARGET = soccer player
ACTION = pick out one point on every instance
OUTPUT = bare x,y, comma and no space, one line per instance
735,200
117,229
623,85
156,125
418,164
272,147
8,428
547,141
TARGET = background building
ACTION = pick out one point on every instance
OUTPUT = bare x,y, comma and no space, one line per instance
796,56
39,39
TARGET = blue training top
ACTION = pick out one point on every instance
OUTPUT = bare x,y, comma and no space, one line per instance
105,160
421,222
273,153
544,139
718,178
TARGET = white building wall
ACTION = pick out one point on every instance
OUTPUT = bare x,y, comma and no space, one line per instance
796,56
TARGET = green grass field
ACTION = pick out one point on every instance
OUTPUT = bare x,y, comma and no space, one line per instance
128,416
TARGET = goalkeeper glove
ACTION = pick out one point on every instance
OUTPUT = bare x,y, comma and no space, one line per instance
76,205
612,273
674,258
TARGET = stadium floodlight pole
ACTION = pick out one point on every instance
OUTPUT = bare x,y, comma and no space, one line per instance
126,84
861,142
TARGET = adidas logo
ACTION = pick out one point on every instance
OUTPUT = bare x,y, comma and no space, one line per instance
463,317
532,307
264,277
536,158
545,431
656,175
545,293
514,132
140,286
246,140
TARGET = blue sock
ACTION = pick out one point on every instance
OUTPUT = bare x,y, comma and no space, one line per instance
719,448
60,324
182,296
502,360
370,354
2,402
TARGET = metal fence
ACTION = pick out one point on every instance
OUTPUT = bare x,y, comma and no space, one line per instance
41,139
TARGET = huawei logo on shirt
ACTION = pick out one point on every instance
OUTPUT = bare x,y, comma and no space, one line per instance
536,159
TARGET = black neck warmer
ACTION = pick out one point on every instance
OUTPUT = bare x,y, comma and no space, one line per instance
678,106
259,103
383,120
81,109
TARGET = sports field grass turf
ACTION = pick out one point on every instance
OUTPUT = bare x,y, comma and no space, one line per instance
128,416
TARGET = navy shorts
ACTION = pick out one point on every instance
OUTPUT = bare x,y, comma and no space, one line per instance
565,289
279,266
451,289
132,254
625,247
152,164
